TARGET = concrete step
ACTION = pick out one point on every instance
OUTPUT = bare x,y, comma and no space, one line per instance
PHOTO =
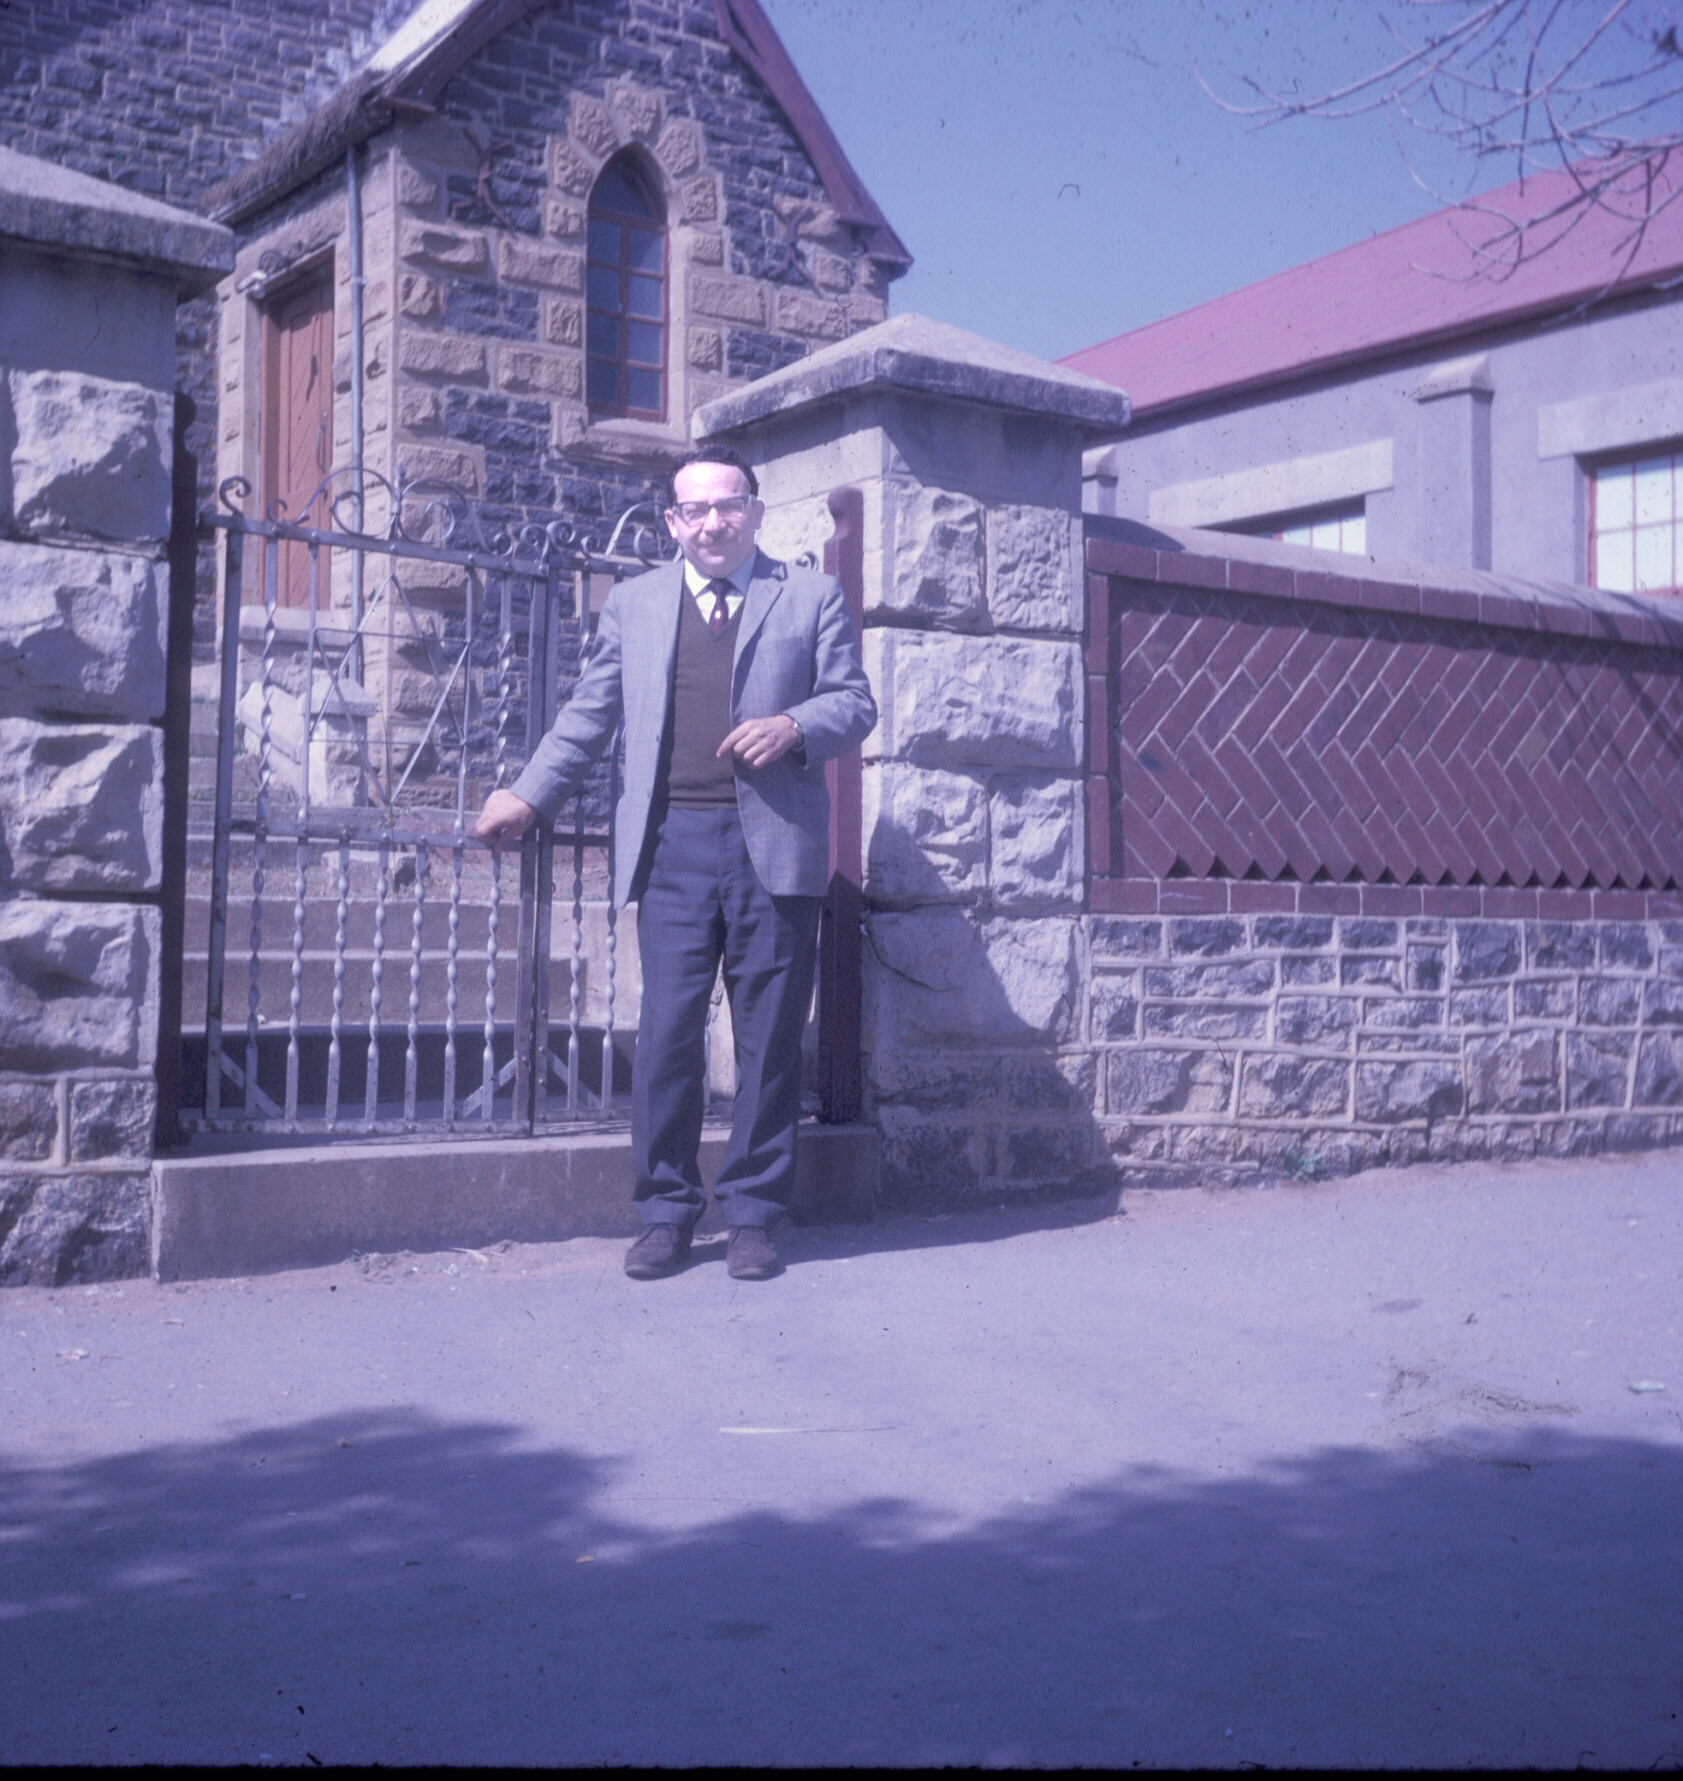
223,1211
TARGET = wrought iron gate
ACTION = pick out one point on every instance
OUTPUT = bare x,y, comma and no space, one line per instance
359,970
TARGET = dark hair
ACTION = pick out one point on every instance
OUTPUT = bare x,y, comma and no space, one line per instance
711,454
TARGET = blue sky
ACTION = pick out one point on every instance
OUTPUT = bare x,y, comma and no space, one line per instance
1060,176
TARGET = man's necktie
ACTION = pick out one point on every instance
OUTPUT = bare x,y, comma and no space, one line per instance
719,617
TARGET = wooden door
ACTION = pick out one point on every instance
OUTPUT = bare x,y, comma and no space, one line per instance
297,443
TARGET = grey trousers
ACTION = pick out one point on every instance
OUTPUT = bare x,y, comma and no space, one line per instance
704,907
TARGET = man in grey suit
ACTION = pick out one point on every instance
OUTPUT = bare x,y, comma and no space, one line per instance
735,678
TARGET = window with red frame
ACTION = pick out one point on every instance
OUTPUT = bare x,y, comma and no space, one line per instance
1322,528
625,284
1636,522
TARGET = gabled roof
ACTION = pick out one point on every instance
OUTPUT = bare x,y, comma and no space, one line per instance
411,69
1417,284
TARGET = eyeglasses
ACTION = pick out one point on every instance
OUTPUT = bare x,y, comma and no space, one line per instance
692,513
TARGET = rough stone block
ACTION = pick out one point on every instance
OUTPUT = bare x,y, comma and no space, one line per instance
1202,1020
1129,1143
444,356
1560,945
1402,1014
1485,949
1292,933
637,110
563,323
1425,969
521,371
81,632
1659,1071
991,702
1662,1004
1609,1001
799,312
1034,842
1316,1020
1479,1008
1625,946
570,171
705,349
1206,937
1042,1153
64,1230
1034,583
28,1121
937,572
1366,935
942,978
1115,937
1554,998
91,457
419,410
926,1161
417,190
1162,1081
521,261
78,982
1516,1073
728,299
564,218
681,148
926,835
424,243
1247,977
1597,1069
1385,971
1308,973
1425,1088
1114,1006
1280,1085
1066,1083
938,1082
81,805
419,297
112,1120
591,123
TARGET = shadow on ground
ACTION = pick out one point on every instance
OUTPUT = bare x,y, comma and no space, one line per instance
381,1587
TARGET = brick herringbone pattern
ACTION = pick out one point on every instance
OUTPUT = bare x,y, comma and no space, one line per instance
1275,740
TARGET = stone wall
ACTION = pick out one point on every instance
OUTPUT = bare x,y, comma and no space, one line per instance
1387,861
89,279
1234,862
978,1069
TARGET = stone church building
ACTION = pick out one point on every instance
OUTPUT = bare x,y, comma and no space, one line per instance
507,245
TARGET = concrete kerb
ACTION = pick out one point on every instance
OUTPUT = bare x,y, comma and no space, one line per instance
261,1211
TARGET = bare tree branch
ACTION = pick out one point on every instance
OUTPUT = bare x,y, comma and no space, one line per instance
1591,90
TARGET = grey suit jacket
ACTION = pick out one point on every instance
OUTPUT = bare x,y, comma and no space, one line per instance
796,652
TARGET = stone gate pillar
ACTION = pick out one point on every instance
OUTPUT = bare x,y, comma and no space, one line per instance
968,456
90,276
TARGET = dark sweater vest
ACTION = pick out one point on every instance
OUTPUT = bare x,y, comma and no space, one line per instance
695,777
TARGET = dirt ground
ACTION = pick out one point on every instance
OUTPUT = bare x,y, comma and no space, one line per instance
1380,1473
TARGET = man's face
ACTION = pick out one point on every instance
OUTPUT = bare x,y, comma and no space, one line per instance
717,542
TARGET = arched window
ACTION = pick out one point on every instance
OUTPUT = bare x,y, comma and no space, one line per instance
625,284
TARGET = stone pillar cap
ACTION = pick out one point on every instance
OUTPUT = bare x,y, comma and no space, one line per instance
910,352
56,209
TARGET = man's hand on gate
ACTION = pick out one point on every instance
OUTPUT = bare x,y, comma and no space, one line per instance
761,740
505,818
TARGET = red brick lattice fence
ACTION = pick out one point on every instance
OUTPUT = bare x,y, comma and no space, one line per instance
1295,727
1379,869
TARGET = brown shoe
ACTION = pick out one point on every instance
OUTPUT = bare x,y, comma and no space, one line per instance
660,1251
750,1254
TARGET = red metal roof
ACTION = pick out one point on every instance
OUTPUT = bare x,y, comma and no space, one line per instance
1409,285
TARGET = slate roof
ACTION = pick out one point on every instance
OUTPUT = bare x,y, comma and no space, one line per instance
1407,287
414,65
